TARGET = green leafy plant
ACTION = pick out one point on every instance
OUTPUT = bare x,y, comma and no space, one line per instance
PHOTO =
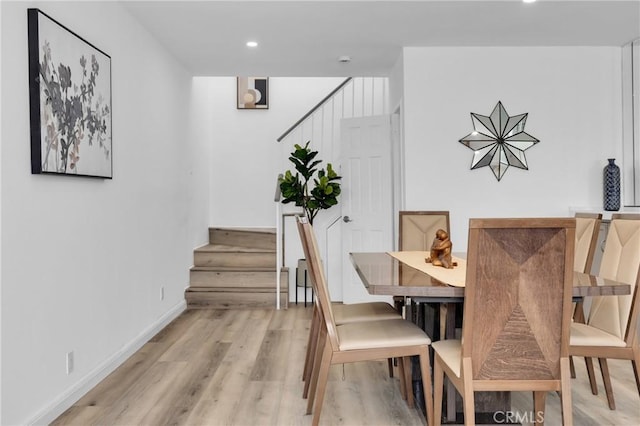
296,188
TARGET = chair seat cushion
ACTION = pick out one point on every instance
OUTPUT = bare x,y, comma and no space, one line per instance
451,353
358,312
585,335
380,334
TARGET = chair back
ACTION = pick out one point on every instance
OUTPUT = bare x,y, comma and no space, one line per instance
618,315
587,229
518,292
418,228
318,280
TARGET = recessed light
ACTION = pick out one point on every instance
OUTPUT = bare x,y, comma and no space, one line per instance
528,1
344,58
252,44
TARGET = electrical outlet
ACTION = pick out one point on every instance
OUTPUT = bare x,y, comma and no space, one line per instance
162,293
70,362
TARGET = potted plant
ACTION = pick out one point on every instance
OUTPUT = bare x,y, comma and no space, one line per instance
306,189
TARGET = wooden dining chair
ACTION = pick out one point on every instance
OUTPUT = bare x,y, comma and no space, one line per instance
360,341
416,231
611,330
517,314
344,314
587,231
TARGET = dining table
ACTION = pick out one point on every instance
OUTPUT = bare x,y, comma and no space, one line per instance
406,274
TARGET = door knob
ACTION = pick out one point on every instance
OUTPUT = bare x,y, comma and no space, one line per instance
346,219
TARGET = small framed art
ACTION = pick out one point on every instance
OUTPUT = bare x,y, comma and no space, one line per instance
70,101
253,92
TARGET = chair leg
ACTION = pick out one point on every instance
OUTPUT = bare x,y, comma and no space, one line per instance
467,393
606,378
322,335
390,364
408,380
311,344
403,380
565,385
636,366
539,402
426,384
438,385
311,384
323,376
592,375
572,368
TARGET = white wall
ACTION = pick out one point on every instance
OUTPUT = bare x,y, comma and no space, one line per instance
83,259
246,159
573,99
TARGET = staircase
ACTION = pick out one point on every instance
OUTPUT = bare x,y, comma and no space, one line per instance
237,269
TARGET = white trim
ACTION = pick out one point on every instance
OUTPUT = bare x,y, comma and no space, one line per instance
88,382
278,251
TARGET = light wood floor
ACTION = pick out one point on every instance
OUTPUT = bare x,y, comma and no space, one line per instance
243,367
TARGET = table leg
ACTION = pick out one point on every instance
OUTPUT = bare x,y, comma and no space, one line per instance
450,333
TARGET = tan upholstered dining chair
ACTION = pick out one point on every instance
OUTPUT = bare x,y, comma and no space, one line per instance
416,231
517,314
361,341
611,330
343,314
587,231
418,228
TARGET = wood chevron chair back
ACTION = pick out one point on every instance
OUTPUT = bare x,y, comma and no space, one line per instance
518,298
418,228
517,312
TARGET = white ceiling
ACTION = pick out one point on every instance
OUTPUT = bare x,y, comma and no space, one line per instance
305,38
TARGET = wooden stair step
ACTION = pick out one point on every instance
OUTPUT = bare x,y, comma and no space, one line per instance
244,237
215,255
224,248
234,299
237,269
235,277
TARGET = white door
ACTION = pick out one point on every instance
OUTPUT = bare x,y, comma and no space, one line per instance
367,203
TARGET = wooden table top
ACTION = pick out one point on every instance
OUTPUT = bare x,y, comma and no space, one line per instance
382,274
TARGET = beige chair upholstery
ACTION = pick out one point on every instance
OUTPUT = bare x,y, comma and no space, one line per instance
517,313
416,231
353,342
343,314
587,230
418,228
611,330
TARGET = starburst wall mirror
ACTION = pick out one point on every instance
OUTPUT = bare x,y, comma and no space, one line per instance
499,141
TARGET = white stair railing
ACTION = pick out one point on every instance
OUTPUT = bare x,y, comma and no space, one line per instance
354,97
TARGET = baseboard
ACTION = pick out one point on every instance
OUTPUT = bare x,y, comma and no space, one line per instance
88,382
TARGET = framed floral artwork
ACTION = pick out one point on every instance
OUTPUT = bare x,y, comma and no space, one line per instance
253,92
70,101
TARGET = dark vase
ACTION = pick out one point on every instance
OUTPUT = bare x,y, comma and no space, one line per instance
611,186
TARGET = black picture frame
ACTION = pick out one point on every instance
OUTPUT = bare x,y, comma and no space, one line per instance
70,101
253,93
